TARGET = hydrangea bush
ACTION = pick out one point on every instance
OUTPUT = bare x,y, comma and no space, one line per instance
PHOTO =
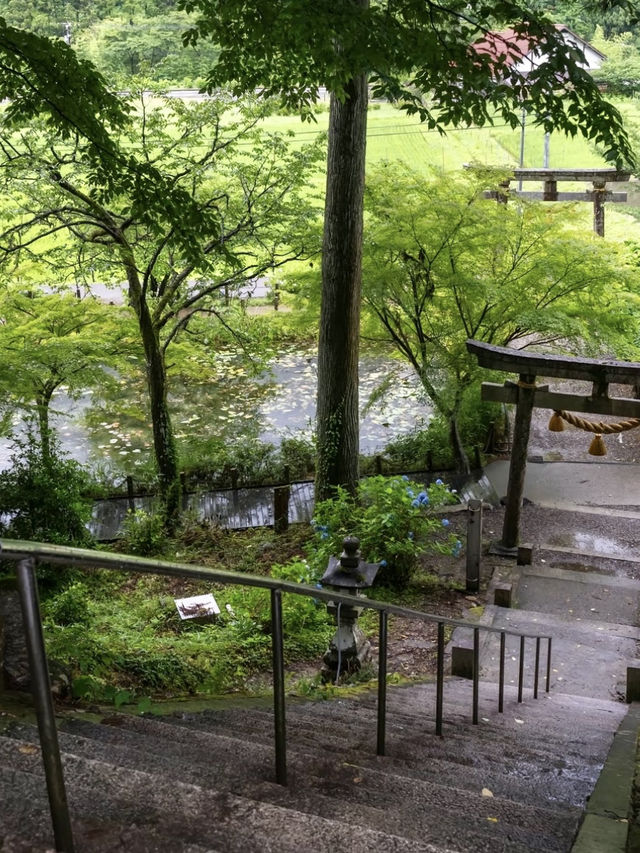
395,521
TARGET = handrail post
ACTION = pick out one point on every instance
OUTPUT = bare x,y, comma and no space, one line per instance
41,688
535,677
382,683
278,687
440,679
521,670
548,686
476,673
503,638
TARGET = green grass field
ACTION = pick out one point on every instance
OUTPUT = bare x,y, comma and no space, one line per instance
392,135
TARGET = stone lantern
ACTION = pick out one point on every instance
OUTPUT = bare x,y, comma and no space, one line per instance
349,649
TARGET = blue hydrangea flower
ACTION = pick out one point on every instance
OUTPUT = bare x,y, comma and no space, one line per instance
383,564
410,492
415,502
445,522
410,534
457,548
405,478
324,535
439,482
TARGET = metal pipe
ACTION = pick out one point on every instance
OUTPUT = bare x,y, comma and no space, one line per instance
501,676
476,673
548,665
278,687
41,688
521,670
523,122
382,684
86,559
440,679
535,676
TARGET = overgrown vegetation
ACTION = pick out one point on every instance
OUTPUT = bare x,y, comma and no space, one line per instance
429,445
120,639
124,640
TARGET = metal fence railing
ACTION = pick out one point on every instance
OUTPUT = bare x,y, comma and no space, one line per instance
28,554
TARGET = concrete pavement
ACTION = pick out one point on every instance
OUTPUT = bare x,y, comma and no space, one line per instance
583,589
581,485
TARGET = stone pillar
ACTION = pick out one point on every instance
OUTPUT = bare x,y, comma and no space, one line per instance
474,544
518,464
598,207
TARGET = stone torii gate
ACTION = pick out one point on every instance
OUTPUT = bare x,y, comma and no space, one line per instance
550,178
527,395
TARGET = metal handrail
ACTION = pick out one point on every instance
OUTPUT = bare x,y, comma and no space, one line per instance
27,554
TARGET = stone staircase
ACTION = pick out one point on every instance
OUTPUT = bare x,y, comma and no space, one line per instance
195,782
526,780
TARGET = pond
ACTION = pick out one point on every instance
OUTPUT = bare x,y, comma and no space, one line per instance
112,432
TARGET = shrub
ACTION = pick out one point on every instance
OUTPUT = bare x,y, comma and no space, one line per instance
393,519
44,496
144,533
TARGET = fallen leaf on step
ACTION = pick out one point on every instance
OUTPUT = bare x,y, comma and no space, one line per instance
28,749
493,819
487,793
521,722
357,779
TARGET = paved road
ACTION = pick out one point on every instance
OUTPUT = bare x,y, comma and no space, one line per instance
576,485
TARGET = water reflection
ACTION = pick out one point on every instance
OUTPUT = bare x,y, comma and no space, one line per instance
113,431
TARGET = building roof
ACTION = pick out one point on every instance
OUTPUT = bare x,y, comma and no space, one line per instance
512,48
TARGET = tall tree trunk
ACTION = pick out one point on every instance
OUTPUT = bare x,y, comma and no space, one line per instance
163,440
338,343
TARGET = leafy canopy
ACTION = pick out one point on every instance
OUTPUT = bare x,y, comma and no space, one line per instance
49,339
443,264
43,77
421,54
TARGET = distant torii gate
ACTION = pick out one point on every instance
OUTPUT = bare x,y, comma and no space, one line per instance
527,395
550,177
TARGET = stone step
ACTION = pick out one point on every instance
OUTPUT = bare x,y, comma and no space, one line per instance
583,650
518,777
185,813
393,804
350,722
413,742
192,749
558,710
